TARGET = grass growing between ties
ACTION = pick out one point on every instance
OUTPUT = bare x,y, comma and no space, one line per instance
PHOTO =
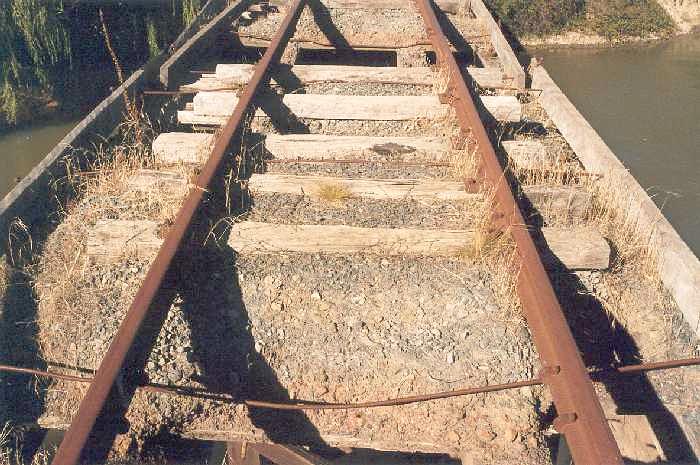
333,193
491,249
11,449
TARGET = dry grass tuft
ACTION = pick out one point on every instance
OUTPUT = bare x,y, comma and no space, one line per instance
3,279
333,193
442,80
494,251
465,160
632,291
70,288
11,449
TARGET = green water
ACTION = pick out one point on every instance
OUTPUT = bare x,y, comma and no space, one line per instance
644,101
22,149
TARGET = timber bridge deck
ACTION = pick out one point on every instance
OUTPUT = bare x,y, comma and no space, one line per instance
338,235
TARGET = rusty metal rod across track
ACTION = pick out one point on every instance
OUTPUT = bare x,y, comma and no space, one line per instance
580,415
94,400
185,391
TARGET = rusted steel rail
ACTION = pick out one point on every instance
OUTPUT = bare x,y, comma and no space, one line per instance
580,415
92,404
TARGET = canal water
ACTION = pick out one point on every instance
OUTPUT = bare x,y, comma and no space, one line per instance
644,101
22,149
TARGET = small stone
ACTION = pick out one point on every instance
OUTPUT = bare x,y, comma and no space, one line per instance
485,435
385,262
450,357
151,365
518,447
321,391
532,442
268,281
198,368
453,437
174,375
510,434
258,346
316,295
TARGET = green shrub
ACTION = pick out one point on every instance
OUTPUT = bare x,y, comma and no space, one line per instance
40,40
534,17
614,19
33,41
617,19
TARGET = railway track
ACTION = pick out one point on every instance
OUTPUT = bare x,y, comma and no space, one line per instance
349,233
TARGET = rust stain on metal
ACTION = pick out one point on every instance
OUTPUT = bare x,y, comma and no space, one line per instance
587,433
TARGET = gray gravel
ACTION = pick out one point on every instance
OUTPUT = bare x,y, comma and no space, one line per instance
351,128
296,209
331,88
363,170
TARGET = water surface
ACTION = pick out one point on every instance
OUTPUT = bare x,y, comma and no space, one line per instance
22,149
644,101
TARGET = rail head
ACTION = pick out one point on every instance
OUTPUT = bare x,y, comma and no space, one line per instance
580,415
93,402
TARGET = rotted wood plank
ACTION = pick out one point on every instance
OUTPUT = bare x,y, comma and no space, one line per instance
503,49
567,202
348,107
574,248
321,146
339,107
230,76
171,148
158,182
529,155
256,237
378,189
571,202
110,239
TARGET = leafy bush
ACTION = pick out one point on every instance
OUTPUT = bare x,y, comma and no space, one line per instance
526,17
46,45
616,19
33,40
